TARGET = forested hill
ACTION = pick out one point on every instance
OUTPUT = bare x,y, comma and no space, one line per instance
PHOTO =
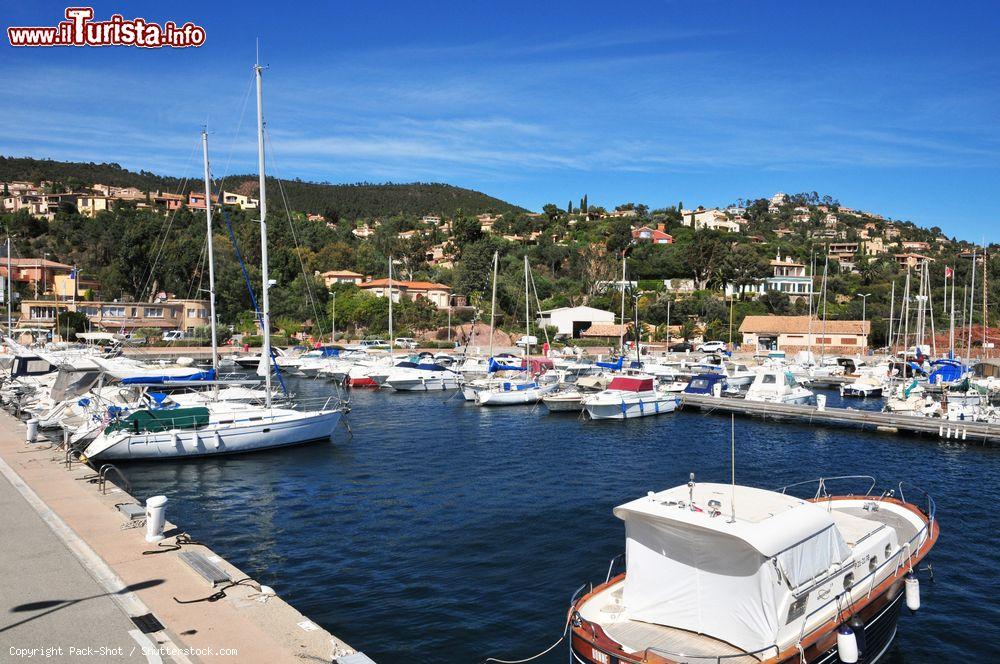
351,201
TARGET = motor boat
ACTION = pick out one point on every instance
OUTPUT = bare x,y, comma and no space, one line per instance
863,388
777,386
627,397
738,574
564,401
421,377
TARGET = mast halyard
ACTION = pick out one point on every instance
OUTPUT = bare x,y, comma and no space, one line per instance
265,352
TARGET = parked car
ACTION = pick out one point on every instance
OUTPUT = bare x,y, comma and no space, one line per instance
712,347
526,340
173,335
374,344
682,347
405,342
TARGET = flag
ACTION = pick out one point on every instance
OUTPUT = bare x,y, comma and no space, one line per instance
948,272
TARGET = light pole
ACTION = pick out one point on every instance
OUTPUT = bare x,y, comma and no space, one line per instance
864,303
45,280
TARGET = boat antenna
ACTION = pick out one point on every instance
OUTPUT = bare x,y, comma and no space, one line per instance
732,461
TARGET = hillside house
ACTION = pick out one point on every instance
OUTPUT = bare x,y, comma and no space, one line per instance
651,235
437,294
571,322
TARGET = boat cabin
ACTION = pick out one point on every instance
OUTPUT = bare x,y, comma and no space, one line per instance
705,383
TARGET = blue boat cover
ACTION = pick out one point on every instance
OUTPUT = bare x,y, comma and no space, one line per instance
496,366
946,371
160,380
703,383
617,366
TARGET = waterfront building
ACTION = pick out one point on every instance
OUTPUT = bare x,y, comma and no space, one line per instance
573,321
168,314
794,333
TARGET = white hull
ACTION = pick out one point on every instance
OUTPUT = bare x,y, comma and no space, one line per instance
418,384
629,407
216,439
562,403
499,397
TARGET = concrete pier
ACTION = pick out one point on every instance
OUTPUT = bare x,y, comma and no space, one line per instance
75,576
977,433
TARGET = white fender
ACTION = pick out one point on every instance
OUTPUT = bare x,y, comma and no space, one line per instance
847,645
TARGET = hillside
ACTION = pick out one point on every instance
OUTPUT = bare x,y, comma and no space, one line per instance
351,201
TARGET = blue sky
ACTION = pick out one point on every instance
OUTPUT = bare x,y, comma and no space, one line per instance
888,106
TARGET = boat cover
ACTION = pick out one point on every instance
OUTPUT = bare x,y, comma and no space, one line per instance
495,366
159,380
697,570
946,371
537,365
149,421
616,366
703,383
423,367
631,384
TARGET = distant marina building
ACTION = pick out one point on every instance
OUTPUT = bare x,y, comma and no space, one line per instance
794,333
571,322
165,314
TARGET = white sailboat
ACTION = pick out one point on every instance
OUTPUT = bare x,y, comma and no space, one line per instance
218,427
516,391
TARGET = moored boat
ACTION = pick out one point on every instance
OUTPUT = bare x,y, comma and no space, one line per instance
628,397
727,573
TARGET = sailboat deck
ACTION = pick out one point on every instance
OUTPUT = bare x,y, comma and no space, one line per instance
606,610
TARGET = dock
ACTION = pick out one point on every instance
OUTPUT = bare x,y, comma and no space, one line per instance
80,573
982,433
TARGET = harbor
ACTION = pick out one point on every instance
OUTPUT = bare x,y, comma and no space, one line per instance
348,333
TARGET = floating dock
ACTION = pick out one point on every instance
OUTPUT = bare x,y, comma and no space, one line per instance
982,433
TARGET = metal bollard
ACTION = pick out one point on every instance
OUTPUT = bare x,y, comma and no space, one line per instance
821,402
31,433
156,510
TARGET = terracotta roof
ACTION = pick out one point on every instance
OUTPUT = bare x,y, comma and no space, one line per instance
604,330
409,285
801,325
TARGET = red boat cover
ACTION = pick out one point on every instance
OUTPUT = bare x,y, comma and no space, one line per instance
538,365
627,384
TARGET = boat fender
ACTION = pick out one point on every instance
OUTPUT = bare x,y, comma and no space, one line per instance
912,592
858,626
847,645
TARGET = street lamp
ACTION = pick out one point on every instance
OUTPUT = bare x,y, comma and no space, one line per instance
864,303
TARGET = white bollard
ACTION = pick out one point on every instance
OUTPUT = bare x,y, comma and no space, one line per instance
156,514
717,390
31,433
820,402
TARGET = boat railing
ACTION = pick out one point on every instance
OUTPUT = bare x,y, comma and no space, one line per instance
821,484
683,657
611,565
902,559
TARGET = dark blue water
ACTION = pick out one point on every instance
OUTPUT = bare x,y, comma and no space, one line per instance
443,532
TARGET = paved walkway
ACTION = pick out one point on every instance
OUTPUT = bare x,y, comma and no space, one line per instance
48,600
72,576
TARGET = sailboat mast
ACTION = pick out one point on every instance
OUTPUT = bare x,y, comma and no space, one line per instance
265,350
211,259
391,342
527,313
951,325
892,313
10,294
972,302
621,337
493,302
906,314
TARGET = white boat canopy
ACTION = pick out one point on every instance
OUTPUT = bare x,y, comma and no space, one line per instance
692,566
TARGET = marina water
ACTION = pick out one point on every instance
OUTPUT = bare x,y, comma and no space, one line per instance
444,532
